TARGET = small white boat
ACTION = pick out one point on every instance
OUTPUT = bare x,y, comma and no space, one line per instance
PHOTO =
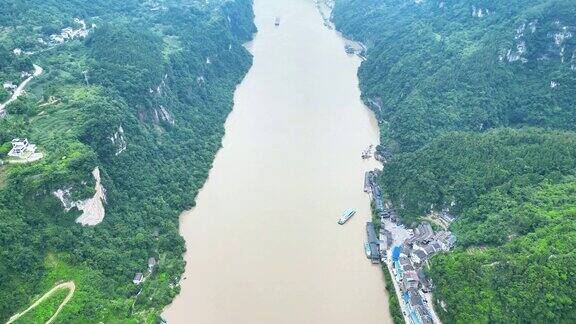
346,216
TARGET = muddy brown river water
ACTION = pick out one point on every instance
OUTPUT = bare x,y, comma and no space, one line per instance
263,243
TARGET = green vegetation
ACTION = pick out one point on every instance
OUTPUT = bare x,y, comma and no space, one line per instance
43,312
528,276
393,302
140,76
477,112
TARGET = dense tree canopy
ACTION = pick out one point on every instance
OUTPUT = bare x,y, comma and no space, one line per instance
476,107
137,98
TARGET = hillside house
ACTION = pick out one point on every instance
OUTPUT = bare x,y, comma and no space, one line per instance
19,146
8,85
151,264
447,217
138,278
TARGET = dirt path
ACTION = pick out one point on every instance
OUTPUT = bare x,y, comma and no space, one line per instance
69,285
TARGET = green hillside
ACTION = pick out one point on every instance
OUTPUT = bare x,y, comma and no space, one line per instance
143,96
476,107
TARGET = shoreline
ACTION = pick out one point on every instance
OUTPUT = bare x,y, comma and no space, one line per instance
196,223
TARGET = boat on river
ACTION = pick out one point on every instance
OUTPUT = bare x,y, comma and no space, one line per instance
277,21
346,216
367,250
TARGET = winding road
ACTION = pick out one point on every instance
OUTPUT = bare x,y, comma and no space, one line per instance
20,89
65,285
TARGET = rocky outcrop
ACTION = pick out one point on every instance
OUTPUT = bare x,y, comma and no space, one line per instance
529,35
92,208
166,116
119,141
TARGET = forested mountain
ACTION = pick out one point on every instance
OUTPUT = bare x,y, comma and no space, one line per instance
476,105
137,89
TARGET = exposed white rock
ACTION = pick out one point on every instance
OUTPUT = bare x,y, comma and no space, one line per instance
163,114
92,208
516,55
160,86
520,31
64,196
479,12
119,140
553,84
532,25
562,36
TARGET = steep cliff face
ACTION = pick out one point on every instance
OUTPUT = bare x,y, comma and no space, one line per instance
476,108
136,106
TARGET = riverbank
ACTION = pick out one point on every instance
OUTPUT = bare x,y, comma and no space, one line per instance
273,197
147,107
405,254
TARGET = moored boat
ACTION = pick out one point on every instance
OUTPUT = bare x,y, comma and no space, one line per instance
367,249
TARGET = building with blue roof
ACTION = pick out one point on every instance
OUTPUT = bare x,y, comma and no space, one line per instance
396,253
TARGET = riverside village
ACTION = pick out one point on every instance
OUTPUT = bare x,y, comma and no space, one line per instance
404,252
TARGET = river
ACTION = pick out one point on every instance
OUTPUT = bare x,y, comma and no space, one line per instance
263,245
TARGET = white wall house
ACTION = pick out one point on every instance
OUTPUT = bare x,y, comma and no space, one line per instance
8,85
19,146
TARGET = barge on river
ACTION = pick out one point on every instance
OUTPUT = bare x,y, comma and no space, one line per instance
372,245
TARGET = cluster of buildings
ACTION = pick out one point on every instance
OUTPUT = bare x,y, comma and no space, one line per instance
407,262
371,187
406,265
67,34
139,276
406,252
413,254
